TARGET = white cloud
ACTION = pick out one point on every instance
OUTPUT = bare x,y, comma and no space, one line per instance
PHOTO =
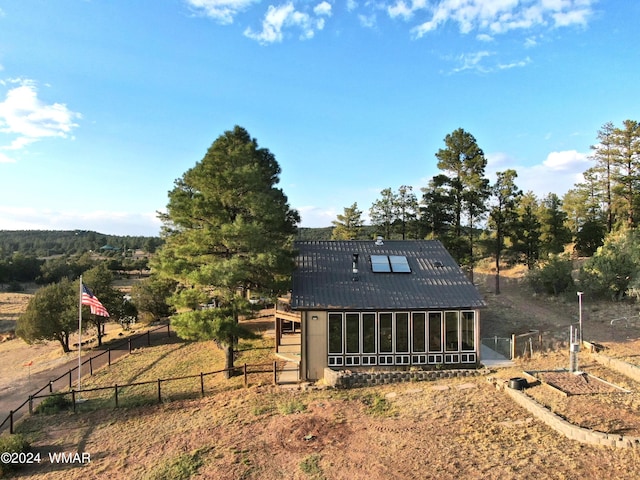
108,222
494,16
22,113
521,63
483,37
472,61
486,18
286,16
223,11
406,10
368,21
558,173
6,159
477,61
316,217
323,8
574,17
568,160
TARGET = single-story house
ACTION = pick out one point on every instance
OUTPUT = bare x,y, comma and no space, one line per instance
383,305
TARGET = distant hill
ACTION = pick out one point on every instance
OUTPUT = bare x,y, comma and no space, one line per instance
46,243
324,233
308,234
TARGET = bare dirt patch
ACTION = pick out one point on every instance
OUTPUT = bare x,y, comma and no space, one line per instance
577,383
434,433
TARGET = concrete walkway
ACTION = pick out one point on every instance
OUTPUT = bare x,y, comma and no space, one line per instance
492,359
290,351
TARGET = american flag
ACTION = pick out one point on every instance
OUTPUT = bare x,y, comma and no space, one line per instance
88,298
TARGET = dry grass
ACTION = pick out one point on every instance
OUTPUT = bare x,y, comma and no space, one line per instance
442,430
12,305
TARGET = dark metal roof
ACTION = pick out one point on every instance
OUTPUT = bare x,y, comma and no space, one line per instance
323,277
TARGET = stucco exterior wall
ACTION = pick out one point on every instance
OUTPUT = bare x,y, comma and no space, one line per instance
314,344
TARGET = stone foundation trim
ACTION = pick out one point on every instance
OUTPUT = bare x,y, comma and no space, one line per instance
353,379
569,430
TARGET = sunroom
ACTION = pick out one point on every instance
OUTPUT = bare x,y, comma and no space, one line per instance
383,305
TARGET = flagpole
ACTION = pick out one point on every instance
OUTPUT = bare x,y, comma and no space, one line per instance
80,334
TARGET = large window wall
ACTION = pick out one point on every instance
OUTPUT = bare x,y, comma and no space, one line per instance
401,338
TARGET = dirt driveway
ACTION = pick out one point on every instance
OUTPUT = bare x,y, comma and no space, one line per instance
25,369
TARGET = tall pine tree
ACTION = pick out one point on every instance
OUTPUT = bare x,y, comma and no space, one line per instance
227,230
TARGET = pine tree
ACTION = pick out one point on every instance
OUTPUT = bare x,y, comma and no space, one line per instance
348,226
529,230
503,216
383,213
464,164
227,229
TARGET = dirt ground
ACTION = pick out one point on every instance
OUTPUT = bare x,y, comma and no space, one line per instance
517,310
432,430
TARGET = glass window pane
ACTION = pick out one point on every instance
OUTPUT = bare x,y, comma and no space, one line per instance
468,331
402,332
335,333
419,331
399,264
368,333
451,331
435,331
380,263
386,333
352,321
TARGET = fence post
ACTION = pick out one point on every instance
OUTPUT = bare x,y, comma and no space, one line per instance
275,373
11,422
202,383
90,366
73,399
109,356
116,392
148,338
159,394
246,380
129,344
70,381
513,346
30,404
50,386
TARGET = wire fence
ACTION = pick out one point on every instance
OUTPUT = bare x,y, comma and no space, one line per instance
521,345
500,345
148,392
104,358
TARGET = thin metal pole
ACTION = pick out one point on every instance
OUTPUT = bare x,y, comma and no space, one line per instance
80,334
580,313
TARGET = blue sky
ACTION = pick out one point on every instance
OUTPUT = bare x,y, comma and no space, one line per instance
104,103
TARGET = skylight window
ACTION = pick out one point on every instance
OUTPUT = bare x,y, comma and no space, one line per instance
390,264
399,264
380,264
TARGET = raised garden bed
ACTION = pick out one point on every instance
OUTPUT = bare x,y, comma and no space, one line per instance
575,383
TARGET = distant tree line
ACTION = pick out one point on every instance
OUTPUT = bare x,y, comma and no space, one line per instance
477,219
67,255
47,243
52,313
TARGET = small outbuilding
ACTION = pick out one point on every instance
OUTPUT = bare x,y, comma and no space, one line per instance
387,305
